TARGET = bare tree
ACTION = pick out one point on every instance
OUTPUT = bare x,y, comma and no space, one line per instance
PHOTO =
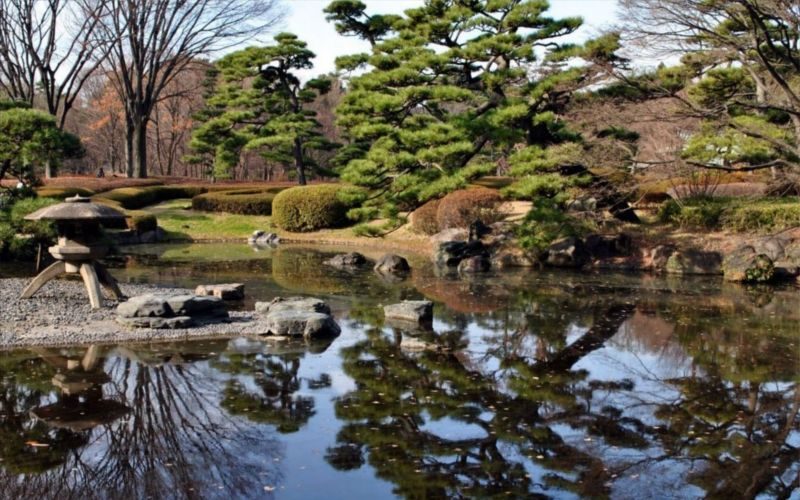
48,50
762,37
154,40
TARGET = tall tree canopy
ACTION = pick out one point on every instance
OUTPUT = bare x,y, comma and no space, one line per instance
261,105
154,40
739,72
452,86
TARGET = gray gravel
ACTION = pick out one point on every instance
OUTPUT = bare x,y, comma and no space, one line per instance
59,314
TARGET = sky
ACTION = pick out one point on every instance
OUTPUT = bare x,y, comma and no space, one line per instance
306,19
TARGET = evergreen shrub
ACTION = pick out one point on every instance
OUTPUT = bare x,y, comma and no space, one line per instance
132,198
308,208
237,201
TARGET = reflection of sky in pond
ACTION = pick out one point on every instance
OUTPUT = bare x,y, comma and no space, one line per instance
556,384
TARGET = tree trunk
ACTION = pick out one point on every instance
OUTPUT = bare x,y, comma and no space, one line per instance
138,161
49,170
298,162
129,149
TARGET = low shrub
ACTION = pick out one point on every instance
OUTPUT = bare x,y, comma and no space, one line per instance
33,233
308,208
98,184
761,215
142,222
462,208
238,201
423,220
132,198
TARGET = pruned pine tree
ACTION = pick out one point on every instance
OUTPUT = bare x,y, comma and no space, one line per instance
261,105
453,86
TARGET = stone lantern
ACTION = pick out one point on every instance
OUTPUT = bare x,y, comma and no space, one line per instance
80,245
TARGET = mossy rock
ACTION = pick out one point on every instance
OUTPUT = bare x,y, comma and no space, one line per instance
746,266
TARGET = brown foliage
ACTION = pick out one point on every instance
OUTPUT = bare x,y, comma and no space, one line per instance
423,220
462,208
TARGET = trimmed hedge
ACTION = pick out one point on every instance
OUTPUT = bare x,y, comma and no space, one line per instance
462,208
132,198
238,201
423,220
62,193
308,208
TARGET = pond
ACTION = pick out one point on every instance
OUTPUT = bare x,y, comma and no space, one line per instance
533,384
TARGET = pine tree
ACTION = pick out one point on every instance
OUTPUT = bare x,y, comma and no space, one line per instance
260,105
455,85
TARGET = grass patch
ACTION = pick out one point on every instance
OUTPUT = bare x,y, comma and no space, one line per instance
183,224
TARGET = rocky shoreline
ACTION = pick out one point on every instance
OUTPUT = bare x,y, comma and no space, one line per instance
60,315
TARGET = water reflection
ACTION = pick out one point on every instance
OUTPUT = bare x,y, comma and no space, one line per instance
530,385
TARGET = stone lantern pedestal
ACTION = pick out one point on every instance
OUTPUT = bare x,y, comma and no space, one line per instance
79,247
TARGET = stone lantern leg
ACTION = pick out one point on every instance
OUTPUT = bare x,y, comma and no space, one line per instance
79,247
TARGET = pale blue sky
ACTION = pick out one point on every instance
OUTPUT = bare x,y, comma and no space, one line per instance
306,20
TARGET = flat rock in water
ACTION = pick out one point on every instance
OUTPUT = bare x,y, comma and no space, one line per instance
298,317
347,260
227,291
410,311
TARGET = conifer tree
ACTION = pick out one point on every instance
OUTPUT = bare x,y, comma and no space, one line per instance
451,87
260,105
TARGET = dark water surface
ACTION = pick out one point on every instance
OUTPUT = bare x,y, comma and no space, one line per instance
534,385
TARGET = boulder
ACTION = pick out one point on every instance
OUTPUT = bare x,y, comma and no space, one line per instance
261,238
157,323
771,246
604,246
153,236
416,312
297,323
658,256
298,317
504,256
169,311
748,266
392,264
567,252
475,264
450,253
227,291
145,306
193,305
347,260
691,261
293,303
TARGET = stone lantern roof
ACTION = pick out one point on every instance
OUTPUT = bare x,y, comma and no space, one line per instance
77,208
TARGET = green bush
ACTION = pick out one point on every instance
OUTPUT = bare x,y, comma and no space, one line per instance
762,215
133,198
19,238
462,208
142,222
308,208
423,220
238,201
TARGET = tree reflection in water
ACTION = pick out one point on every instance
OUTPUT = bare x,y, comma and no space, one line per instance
521,412
173,443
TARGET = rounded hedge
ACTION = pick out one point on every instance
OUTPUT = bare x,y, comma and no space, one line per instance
423,220
237,201
462,208
308,208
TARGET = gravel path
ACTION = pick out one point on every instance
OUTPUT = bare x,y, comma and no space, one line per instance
59,315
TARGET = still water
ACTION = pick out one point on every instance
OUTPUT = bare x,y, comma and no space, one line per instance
532,385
